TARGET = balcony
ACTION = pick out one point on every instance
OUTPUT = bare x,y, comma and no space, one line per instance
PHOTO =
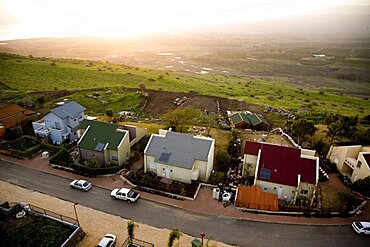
351,162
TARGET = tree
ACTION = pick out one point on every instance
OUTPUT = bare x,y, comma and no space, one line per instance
131,225
181,116
174,234
222,161
301,128
209,121
334,129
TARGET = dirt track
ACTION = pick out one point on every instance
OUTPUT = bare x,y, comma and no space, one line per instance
160,102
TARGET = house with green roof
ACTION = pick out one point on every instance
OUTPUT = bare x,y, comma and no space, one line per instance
107,143
248,120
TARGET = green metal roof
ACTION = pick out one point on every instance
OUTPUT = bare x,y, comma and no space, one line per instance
99,134
250,118
236,118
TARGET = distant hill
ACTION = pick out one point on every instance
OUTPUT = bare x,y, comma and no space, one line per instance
339,20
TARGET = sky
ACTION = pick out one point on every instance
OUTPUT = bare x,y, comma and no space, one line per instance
68,18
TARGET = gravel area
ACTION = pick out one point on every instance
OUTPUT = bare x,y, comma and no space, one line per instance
95,223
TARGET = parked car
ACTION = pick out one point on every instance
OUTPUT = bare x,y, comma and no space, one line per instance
109,240
361,227
125,194
81,185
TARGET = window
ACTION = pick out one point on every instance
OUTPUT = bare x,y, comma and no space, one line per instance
265,188
75,119
115,158
359,163
265,173
57,125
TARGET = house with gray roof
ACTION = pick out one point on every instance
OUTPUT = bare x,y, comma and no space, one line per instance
61,123
180,157
105,143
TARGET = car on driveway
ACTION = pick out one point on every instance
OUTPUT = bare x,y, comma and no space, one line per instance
361,227
125,194
109,240
81,185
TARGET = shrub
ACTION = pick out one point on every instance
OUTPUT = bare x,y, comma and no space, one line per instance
109,112
362,186
62,157
350,201
217,177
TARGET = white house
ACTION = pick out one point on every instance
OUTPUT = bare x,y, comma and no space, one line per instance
352,161
286,171
61,123
180,157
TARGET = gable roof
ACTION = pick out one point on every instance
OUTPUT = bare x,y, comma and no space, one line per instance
99,134
10,115
282,163
177,149
71,109
248,117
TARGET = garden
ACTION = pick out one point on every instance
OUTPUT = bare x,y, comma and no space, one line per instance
33,231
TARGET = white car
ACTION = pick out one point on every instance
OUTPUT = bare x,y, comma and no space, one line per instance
125,194
81,185
361,227
109,240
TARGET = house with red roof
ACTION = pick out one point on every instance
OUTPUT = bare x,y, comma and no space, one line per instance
288,172
352,161
12,116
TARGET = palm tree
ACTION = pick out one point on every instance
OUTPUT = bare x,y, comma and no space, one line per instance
131,225
175,234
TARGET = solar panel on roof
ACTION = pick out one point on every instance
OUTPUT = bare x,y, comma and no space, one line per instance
164,157
265,173
99,147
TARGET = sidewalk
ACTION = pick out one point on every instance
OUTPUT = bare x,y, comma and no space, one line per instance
204,203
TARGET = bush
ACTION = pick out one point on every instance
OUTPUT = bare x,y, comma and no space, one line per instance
362,186
61,157
222,161
93,171
217,177
109,113
350,201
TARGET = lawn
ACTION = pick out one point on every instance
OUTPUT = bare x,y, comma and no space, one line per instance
20,76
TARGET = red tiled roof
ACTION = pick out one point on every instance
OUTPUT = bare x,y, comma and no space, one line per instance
285,163
10,115
252,148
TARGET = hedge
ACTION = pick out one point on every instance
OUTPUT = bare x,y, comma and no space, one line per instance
93,171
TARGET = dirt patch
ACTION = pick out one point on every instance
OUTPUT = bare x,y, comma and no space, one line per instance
160,102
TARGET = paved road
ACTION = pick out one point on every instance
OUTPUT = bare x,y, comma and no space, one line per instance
232,231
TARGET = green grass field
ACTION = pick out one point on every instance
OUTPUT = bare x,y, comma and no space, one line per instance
20,76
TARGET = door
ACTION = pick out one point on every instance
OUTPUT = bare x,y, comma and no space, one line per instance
280,193
168,173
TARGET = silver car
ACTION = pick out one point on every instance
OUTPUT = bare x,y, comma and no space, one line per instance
361,227
81,185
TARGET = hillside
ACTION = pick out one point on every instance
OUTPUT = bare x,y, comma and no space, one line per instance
20,76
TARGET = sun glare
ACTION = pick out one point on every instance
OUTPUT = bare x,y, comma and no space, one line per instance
49,18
